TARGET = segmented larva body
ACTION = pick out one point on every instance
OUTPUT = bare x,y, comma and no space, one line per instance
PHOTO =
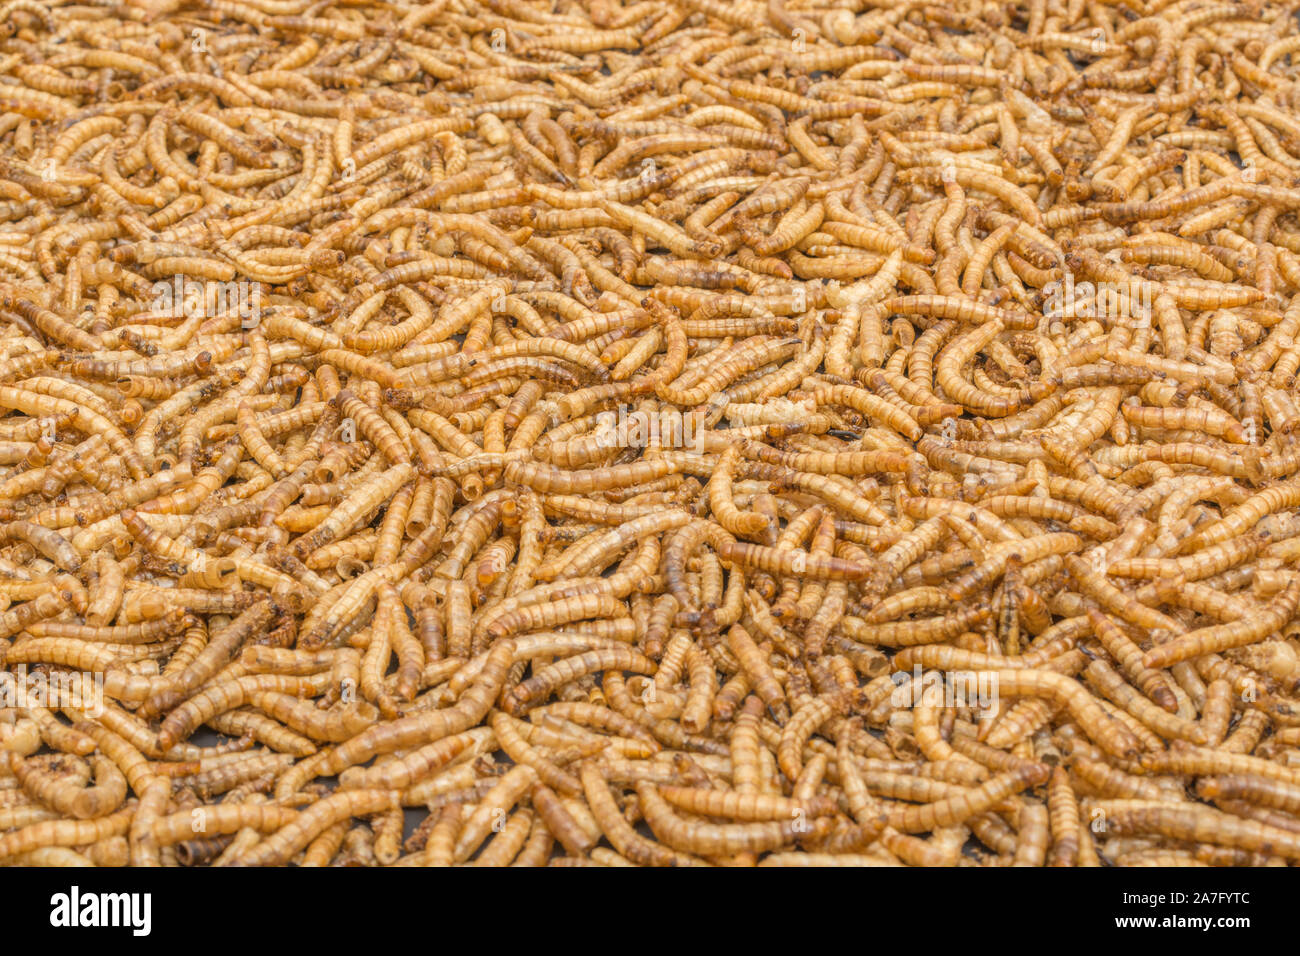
798,438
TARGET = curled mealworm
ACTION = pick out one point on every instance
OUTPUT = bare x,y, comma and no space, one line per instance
606,443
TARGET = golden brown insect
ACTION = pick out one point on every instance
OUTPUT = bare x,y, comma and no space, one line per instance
1223,636
534,426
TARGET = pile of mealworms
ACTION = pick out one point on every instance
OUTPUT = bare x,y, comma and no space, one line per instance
673,432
